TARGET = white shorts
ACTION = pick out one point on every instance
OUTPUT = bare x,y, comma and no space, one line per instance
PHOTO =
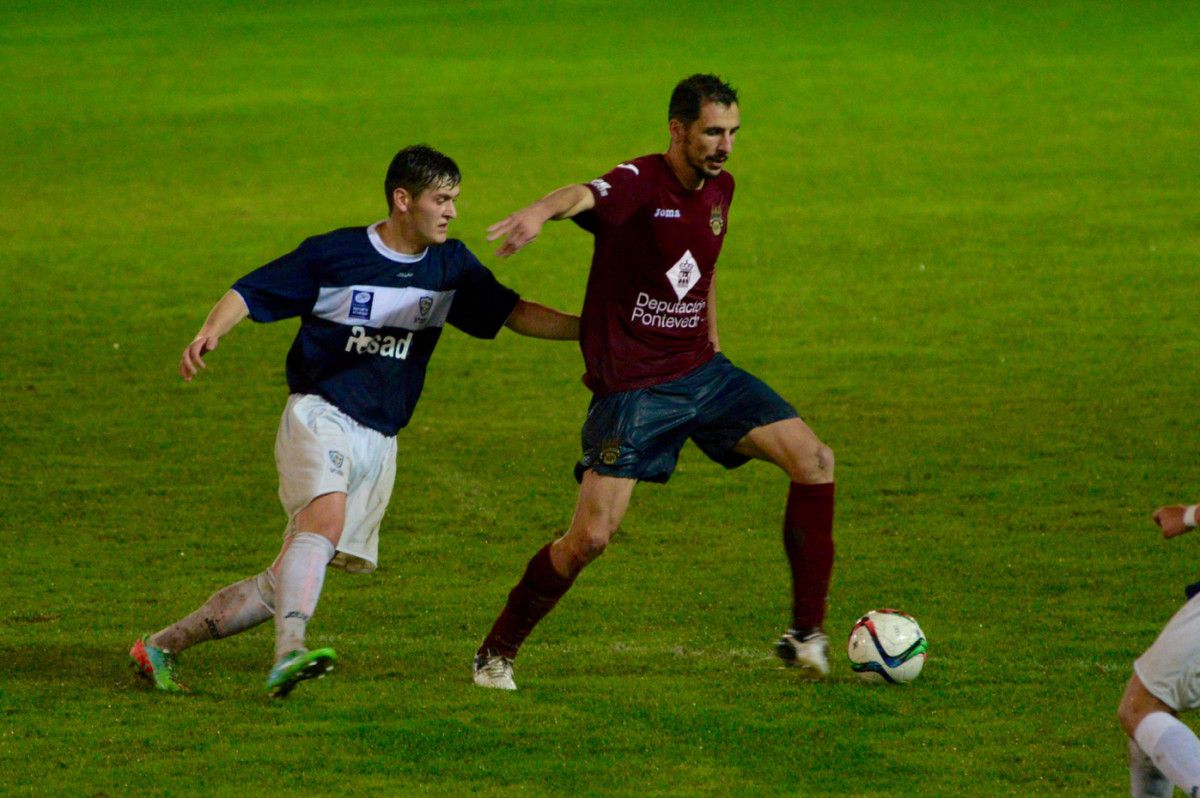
319,450
1170,668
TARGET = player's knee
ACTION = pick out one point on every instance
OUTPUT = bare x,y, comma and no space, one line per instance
1126,720
1128,716
594,544
825,459
813,464
587,543
1133,708
324,516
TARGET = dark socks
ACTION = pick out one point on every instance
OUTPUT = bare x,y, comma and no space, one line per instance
531,600
808,541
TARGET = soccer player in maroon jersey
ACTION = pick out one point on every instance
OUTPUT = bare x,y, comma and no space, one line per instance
649,338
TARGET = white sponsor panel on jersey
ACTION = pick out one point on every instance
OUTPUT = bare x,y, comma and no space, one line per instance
684,274
379,306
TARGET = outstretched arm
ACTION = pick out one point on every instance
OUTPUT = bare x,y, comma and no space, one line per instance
224,316
524,225
539,321
1175,519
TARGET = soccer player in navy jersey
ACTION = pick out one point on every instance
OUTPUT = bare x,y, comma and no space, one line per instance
654,365
1163,750
372,302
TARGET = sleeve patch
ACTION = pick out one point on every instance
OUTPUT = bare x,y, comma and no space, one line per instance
601,185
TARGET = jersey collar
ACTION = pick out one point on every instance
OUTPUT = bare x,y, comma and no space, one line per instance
386,251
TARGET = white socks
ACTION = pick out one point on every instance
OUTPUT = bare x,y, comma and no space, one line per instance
289,593
298,581
1145,780
230,610
1173,749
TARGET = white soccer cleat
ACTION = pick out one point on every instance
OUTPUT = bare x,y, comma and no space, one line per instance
495,671
808,651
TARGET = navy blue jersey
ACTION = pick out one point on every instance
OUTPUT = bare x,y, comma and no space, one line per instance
370,317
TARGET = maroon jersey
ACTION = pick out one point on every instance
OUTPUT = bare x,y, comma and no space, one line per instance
645,315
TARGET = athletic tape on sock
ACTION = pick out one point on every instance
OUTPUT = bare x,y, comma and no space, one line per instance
265,583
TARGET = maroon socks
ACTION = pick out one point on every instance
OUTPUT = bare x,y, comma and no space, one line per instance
531,600
808,541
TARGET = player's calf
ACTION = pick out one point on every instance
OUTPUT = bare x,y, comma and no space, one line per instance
1145,779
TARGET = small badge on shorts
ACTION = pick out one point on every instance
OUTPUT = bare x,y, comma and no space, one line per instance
360,304
610,450
337,458
716,220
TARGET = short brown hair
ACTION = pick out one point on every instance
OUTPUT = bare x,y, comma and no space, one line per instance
692,92
417,168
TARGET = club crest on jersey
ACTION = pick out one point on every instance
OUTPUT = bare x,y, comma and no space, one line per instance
360,304
424,305
716,220
684,274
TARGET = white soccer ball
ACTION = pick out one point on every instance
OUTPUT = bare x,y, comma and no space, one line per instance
887,646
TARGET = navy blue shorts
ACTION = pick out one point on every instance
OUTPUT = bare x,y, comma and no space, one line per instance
638,434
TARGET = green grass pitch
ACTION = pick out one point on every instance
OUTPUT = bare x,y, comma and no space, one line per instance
965,244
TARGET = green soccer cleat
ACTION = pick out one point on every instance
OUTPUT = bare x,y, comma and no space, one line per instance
155,665
298,666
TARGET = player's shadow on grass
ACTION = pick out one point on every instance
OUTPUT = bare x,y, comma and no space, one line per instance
65,664
73,665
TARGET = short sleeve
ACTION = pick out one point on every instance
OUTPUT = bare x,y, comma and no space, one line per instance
481,303
618,194
287,286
